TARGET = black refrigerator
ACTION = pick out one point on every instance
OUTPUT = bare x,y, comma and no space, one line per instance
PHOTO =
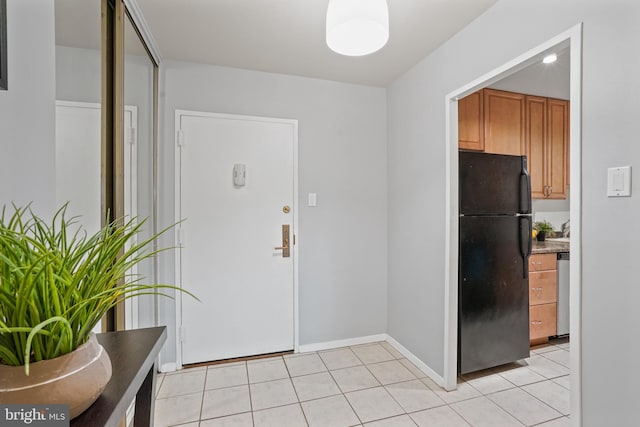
494,248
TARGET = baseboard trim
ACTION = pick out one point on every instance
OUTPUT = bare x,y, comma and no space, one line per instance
413,359
328,345
168,367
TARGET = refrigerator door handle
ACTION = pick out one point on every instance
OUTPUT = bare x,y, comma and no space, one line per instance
525,243
525,188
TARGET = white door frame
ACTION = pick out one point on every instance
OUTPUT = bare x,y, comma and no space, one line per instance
178,217
131,305
572,37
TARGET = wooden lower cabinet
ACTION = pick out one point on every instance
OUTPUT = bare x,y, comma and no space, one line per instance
543,287
543,295
543,262
542,321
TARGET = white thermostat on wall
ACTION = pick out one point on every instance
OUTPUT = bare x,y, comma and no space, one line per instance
619,181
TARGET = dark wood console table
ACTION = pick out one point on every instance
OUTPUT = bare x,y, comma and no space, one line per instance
133,357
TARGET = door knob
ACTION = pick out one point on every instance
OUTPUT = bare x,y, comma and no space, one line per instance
286,252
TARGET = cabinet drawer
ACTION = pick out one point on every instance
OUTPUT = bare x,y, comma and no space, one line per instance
542,321
543,287
542,262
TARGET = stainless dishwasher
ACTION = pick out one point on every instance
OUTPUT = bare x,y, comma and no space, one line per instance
563,293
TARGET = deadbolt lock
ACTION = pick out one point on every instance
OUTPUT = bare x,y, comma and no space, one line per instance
286,209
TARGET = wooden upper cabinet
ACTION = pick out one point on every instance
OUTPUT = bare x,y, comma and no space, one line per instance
547,146
504,118
470,122
558,146
499,122
535,140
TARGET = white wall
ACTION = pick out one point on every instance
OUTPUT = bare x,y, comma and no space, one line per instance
342,158
549,80
27,109
78,74
416,125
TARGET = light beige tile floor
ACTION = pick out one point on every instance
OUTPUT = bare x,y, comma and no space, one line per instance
365,385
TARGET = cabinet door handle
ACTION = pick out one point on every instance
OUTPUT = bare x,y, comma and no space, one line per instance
536,289
536,322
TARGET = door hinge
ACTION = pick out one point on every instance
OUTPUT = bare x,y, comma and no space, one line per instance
180,237
180,138
131,136
294,239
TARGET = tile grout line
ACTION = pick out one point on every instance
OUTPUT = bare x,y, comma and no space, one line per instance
508,412
342,391
495,373
204,388
553,419
380,384
545,403
505,411
295,390
344,394
246,370
513,415
352,408
553,379
521,388
459,414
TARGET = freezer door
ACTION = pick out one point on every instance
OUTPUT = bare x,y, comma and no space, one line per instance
493,184
493,293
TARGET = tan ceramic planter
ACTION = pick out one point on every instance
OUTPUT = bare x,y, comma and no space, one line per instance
75,379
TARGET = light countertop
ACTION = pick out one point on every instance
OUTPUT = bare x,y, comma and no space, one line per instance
550,246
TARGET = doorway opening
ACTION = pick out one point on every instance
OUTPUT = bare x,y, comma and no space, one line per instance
572,39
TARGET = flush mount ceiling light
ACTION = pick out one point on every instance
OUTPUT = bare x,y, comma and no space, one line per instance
357,27
550,58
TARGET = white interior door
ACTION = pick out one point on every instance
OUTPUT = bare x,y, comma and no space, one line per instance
230,231
78,164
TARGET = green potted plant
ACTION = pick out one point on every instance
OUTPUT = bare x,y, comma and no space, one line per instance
56,283
543,228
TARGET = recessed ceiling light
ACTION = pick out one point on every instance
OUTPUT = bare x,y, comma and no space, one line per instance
550,58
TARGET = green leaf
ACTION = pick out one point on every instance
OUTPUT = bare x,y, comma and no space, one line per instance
57,282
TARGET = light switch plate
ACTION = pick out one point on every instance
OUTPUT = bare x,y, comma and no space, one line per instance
619,181
313,199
